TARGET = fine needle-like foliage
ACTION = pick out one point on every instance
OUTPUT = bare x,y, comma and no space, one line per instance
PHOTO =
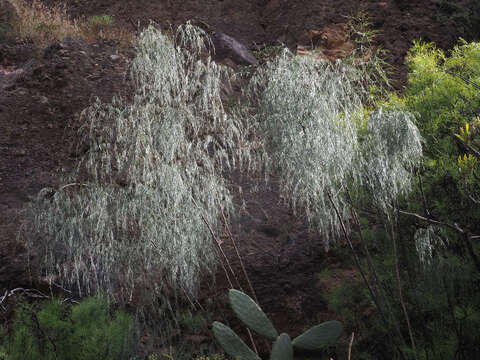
306,112
53,330
131,220
323,141
391,149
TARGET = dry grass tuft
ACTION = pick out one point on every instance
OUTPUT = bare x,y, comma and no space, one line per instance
104,27
42,25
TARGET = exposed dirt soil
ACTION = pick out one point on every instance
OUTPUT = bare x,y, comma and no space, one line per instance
259,22
40,99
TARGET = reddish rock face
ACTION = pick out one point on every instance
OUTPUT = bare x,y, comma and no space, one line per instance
331,40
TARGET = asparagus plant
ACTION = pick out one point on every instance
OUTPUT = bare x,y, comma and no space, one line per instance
255,319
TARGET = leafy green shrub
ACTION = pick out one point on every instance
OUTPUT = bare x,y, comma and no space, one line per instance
444,94
447,305
132,219
254,318
468,164
86,331
436,91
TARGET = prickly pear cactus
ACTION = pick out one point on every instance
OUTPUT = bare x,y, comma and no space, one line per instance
253,317
318,336
282,348
251,314
231,343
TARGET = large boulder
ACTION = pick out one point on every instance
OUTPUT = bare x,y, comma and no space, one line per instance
8,17
227,47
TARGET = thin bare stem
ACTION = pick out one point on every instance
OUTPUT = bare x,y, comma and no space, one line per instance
400,292
240,259
371,264
244,273
229,266
219,247
432,221
357,262
350,346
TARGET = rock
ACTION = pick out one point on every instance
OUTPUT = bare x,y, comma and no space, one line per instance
51,50
69,41
332,40
228,47
31,66
329,37
8,16
269,230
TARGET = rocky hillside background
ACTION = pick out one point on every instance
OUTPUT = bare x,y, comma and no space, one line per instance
55,59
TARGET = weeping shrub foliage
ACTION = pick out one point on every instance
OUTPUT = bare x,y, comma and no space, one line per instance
305,111
130,220
391,150
320,142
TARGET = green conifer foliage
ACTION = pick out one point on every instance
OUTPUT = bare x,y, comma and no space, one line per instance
85,331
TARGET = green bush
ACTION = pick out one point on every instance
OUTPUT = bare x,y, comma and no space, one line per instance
444,93
86,331
351,303
444,102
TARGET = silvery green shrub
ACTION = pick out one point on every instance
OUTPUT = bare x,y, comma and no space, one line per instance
426,240
306,111
130,220
391,149
318,140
